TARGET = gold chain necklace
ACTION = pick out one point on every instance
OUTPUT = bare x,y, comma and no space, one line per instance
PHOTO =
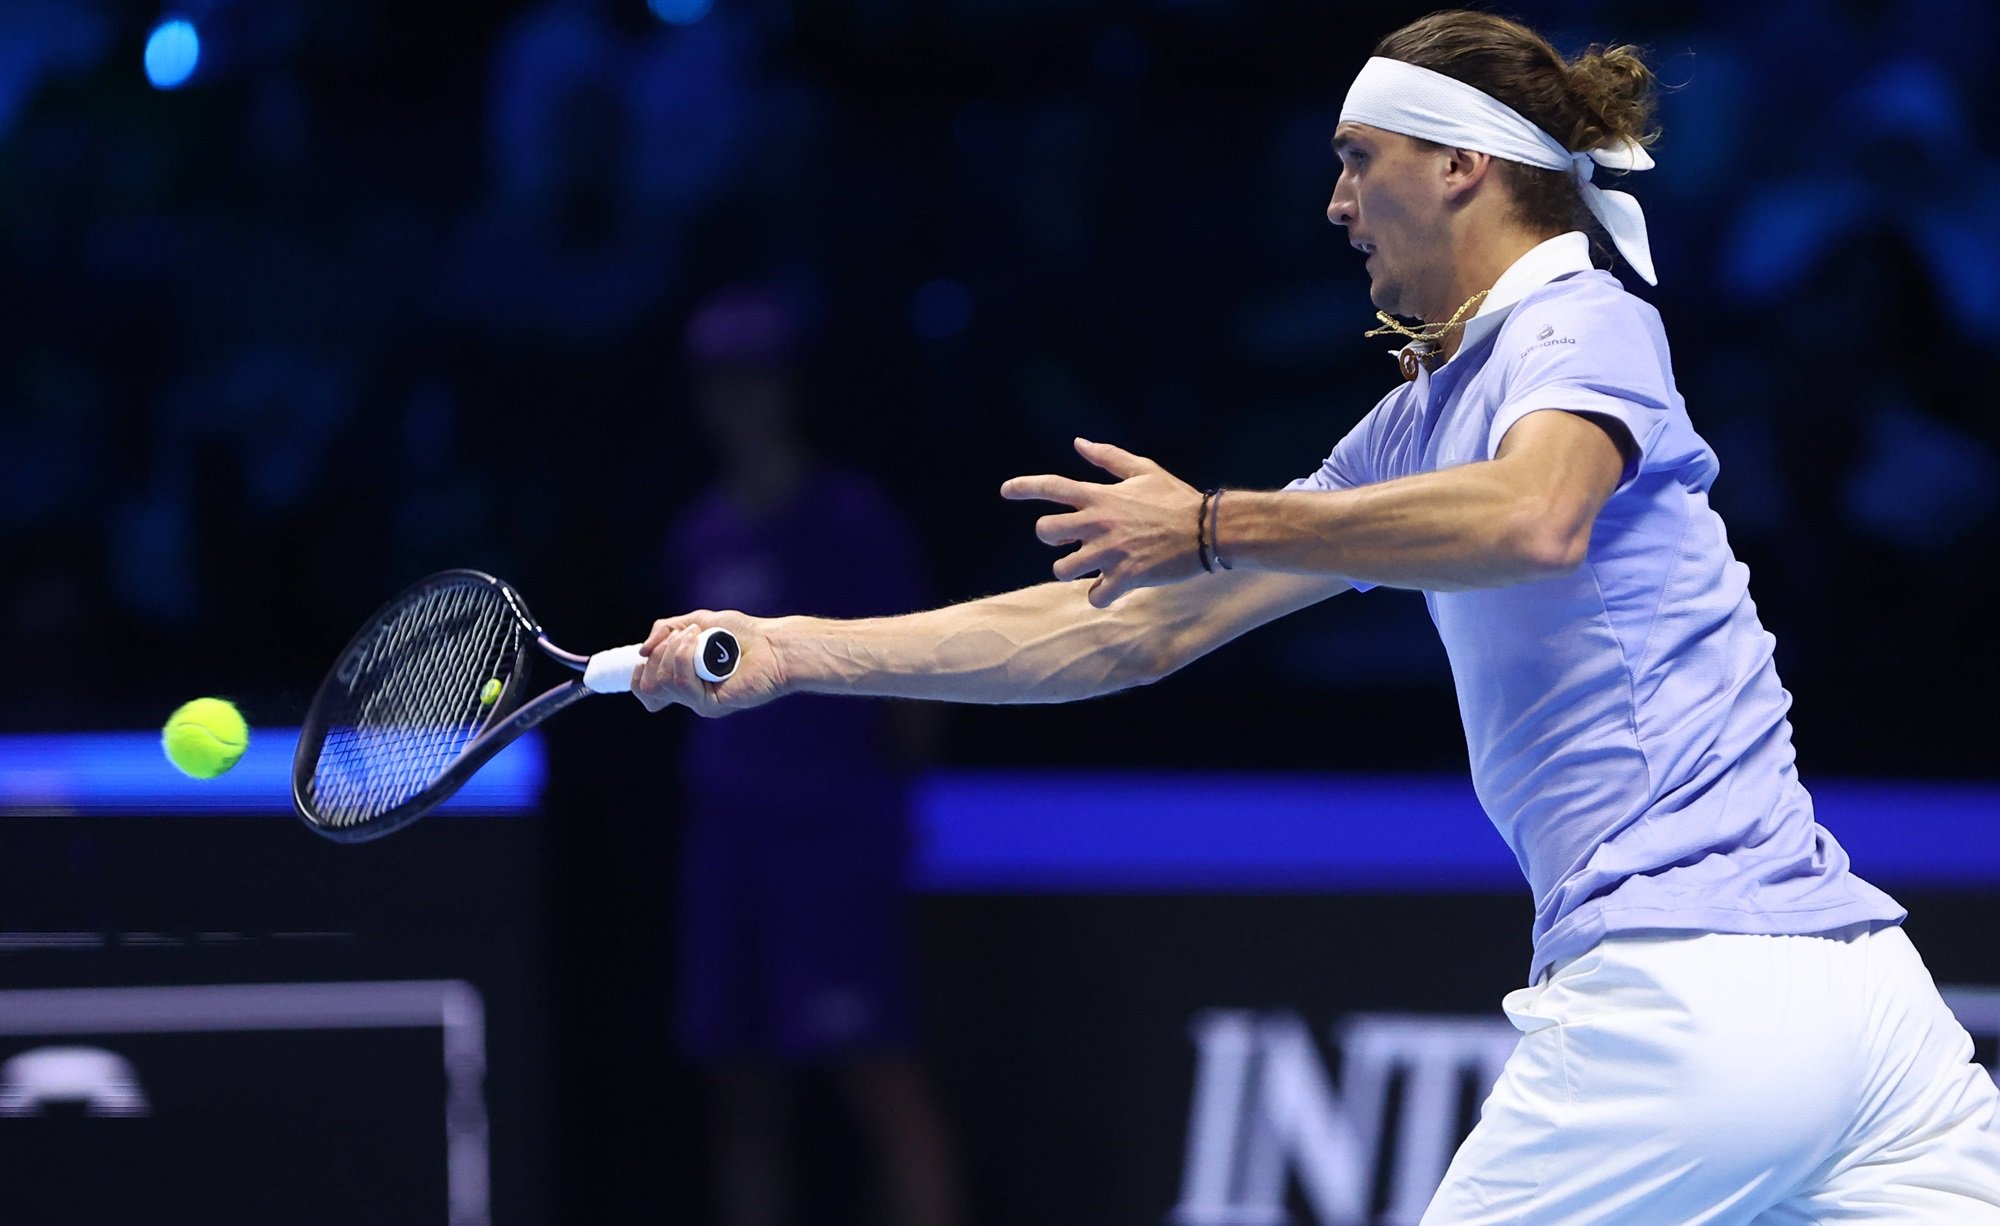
1423,347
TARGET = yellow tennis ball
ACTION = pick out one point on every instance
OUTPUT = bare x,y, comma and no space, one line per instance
489,693
205,737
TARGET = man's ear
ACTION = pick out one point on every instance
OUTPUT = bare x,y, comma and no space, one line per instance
1464,171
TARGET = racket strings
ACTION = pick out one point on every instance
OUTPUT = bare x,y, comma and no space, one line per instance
415,719
414,700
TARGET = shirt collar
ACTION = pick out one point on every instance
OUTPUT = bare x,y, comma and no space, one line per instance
1538,265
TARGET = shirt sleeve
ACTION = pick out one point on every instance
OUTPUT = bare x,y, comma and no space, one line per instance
1357,459
1602,356
1360,458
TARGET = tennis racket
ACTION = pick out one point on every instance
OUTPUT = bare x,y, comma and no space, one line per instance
431,688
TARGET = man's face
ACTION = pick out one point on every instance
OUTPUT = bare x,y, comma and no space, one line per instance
1390,198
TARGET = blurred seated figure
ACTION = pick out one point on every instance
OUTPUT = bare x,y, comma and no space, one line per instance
793,935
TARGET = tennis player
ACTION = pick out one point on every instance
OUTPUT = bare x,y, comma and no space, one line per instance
1724,1024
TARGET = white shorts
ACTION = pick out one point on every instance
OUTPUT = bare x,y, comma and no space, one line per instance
1672,1080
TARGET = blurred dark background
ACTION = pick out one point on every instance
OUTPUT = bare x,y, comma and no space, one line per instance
317,296
381,289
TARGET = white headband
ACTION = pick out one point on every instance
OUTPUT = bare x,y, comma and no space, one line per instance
1400,97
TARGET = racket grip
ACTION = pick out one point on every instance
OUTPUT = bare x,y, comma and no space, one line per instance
610,672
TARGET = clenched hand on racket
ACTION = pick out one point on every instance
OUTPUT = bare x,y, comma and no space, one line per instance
668,673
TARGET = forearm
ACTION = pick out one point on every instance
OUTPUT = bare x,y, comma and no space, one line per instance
1039,644
1472,526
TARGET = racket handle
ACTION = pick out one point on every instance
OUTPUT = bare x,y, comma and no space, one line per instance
610,672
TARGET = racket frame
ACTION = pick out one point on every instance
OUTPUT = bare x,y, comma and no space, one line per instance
497,735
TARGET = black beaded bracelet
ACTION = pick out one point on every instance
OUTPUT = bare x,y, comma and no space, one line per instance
1212,501
1200,534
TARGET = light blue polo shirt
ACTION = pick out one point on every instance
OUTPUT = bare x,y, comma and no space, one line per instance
1626,725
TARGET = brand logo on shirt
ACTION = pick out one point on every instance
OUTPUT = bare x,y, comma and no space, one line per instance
1547,337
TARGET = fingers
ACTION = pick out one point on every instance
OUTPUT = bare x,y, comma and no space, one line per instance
661,629
1115,460
1064,529
667,675
1085,561
667,625
1115,524
653,682
1047,487
1109,585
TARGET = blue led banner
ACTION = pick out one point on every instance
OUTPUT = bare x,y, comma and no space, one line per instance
1108,831
127,773
1087,831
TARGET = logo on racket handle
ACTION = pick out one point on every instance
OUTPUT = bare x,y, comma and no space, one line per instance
715,655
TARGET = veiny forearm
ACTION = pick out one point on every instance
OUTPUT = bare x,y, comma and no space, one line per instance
1472,526
1039,644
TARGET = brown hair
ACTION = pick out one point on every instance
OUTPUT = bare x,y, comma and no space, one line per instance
1602,95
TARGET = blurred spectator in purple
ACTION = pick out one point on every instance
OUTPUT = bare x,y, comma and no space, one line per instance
794,903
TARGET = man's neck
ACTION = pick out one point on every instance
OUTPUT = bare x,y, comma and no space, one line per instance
1477,266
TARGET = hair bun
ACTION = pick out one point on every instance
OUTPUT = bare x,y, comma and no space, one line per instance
1615,91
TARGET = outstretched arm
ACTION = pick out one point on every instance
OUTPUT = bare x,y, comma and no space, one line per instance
1039,644
1525,514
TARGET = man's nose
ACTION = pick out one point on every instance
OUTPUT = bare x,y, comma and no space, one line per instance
1340,209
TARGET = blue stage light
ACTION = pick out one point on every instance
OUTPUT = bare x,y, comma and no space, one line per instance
172,51
124,773
680,12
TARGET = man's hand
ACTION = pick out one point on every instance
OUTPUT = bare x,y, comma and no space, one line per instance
1138,531
667,675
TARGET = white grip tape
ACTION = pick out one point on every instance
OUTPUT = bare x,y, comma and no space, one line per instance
610,672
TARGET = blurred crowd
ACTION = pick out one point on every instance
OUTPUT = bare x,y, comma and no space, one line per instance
384,289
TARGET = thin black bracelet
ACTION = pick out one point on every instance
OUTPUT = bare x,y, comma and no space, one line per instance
1213,501
1200,537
